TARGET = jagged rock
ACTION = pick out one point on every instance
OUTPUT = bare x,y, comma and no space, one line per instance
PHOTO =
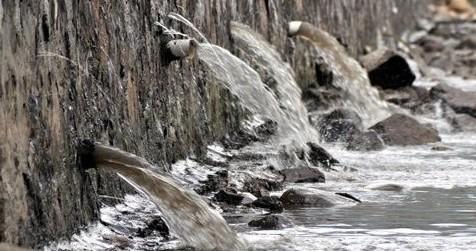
460,101
260,187
339,125
388,69
271,222
464,123
157,225
302,175
403,130
318,156
272,203
228,197
245,136
214,182
296,197
366,141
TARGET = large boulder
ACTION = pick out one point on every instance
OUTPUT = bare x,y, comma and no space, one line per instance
388,69
366,141
302,175
271,222
403,130
308,197
459,100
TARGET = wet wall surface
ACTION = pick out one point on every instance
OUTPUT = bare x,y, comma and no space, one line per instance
91,69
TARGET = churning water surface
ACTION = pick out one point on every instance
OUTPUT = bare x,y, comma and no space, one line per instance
436,210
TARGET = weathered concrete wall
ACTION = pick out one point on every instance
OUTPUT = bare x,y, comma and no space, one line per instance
90,69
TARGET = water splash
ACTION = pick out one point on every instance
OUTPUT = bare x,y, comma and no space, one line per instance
348,74
187,215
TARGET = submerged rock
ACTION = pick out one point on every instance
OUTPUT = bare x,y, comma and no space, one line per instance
387,187
318,156
296,197
459,100
388,69
272,203
366,141
271,222
403,130
302,175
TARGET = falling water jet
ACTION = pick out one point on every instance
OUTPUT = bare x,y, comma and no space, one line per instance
350,76
187,215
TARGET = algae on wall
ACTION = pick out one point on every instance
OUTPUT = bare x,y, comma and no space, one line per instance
91,69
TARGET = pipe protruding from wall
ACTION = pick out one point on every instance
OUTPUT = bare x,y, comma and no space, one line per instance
293,27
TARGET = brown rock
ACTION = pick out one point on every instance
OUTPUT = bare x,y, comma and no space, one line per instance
403,130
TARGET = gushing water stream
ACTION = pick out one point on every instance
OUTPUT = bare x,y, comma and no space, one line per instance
186,213
348,74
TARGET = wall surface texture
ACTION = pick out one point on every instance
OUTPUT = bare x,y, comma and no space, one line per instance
73,69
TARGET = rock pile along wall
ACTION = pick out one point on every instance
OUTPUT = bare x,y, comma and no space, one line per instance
91,69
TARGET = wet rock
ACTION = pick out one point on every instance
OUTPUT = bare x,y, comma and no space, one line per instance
271,222
387,187
297,197
366,141
246,136
214,182
318,156
156,226
409,97
302,175
339,125
388,69
272,203
261,187
349,196
403,130
248,198
431,43
322,97
464,123
228,197
460,101
441,148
